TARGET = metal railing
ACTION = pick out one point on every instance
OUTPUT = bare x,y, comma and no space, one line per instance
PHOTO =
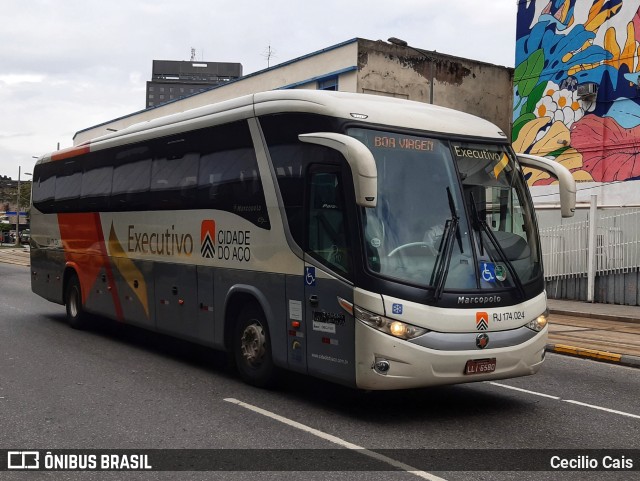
618,242
565,248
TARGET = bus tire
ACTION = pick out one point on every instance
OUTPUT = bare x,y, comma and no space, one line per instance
76,315
252,348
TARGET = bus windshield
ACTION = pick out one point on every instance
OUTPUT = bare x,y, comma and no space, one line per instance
429,230
501,212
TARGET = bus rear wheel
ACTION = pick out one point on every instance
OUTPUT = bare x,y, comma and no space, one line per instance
252,348
76,316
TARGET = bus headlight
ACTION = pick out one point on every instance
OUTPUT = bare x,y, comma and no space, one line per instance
392,327
539,323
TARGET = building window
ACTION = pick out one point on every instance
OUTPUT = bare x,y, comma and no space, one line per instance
328,84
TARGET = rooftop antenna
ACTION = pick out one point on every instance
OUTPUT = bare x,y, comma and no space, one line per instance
193,54
268,54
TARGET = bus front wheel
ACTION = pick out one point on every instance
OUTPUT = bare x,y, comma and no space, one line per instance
76,316
252,348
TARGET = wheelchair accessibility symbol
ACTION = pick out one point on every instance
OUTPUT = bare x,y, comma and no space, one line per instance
491,272
488,272
310,276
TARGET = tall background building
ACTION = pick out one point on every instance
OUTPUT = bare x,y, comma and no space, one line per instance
172,80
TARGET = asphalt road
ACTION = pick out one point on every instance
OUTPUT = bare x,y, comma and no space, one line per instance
117,387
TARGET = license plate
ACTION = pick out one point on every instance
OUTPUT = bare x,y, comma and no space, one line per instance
480,366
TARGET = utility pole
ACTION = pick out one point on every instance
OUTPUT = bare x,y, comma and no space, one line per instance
18,211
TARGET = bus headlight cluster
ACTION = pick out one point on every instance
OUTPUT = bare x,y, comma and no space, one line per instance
392,327
539,323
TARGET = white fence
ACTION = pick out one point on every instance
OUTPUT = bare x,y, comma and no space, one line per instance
565,248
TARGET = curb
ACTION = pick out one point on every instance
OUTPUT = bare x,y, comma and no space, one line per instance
593,315
593,354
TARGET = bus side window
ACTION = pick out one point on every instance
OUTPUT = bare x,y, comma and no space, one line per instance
131,184
174,181
44,187
67,186
229,180
131,179
326,230
96,188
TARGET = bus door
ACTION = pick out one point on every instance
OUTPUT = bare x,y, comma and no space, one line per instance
330,327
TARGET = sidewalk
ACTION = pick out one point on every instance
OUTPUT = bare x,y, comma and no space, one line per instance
604,332
14,255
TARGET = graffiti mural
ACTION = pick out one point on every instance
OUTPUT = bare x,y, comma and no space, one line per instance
577,87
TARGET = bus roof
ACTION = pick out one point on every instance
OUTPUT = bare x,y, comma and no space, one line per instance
372,109
378,109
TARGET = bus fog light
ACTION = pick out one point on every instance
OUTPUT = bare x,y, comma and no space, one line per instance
539,323
381,366
392,327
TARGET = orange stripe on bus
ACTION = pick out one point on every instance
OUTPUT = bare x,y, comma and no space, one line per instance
71,152
84,246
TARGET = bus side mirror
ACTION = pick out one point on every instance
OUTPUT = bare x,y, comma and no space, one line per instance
360,160
567,182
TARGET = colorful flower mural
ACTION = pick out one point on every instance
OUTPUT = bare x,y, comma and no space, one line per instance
562,47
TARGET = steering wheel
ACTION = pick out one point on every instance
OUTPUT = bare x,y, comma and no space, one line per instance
406,246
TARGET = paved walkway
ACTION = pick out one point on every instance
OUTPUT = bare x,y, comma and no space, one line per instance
605,332
15,255
611,312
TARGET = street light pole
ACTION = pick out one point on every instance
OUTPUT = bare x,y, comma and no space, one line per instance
18,211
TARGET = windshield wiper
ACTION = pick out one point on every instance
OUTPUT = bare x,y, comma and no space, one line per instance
481,225
445,251
454,216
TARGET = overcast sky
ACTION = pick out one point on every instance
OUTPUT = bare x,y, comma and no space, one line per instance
69,64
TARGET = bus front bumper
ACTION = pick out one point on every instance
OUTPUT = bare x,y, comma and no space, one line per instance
409,365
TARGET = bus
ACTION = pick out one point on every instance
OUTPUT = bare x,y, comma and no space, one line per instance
370,241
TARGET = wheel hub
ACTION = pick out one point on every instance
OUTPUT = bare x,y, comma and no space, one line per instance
252,344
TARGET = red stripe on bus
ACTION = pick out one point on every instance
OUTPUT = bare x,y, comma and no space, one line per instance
71,152
84,246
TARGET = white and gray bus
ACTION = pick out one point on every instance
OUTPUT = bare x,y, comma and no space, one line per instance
374,242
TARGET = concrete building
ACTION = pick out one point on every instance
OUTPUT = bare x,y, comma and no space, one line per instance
173,80
365,66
